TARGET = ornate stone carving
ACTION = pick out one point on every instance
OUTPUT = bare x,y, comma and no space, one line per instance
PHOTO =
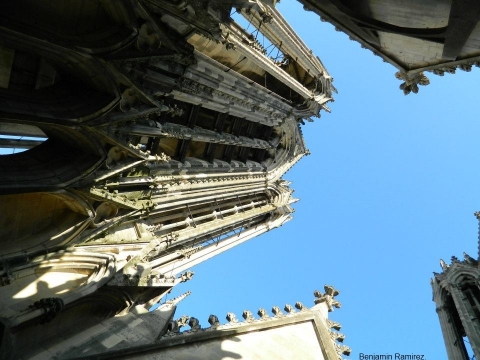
248,316
175,325
336,336
262,313
213,321
189,251
51,306
465,67
194,324
342,349
443,70
289,309
147,38
130,100
333,325
411,82
300,306
232,319
188,275
328,297
276,311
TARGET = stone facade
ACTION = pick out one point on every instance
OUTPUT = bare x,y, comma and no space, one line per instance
297,333
157,132
415,36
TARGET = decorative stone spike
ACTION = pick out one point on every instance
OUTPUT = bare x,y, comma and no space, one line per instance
276,311
194,324
455,259
328,297
213,321
300,306
469,259
444,265
289,309
179,298
231,318
248,316
262,313
333,325
337,336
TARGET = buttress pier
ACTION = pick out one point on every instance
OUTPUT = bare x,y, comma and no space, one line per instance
456,293
156,134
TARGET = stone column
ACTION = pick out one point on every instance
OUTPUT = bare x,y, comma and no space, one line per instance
470,323
453,340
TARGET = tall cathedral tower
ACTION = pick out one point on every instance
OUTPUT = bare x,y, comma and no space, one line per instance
157,134
456,293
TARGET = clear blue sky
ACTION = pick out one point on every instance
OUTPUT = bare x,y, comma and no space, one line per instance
390,188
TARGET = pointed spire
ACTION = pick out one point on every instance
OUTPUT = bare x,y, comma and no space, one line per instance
477,215
444,265
179,298
469,259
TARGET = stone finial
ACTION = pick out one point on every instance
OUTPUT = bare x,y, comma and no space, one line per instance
175,325
333,325
455,259
328,297
336,336
411,81
444,265
213,321
300,306
194,324
183,320
276,311
188,275
248,316
469,259
289,309
262,313
231,318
